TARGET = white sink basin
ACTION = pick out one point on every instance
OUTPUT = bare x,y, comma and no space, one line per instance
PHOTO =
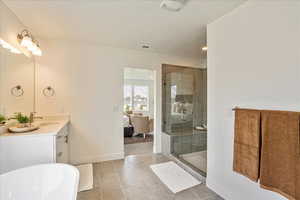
16,129
40,182
48,123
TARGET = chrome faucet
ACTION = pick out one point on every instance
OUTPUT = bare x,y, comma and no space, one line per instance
32,117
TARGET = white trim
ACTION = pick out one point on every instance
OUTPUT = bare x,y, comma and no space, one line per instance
157,145
155,149
99,158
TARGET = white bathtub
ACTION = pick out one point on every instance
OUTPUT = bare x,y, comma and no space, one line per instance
40,182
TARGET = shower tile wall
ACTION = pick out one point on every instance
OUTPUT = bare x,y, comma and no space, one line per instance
189,143
184,108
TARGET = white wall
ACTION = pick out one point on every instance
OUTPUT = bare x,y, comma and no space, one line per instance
88,80
253,62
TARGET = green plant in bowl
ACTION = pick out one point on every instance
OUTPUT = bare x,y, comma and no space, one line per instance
2,120
22,119
2,124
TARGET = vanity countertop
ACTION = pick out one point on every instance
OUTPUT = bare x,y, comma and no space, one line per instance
48,127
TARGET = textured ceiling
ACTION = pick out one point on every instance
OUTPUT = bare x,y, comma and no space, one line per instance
124,23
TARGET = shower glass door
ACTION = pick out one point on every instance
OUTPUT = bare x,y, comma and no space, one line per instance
184,113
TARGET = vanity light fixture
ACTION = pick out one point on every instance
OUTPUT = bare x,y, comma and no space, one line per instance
37,51
6,45
205,48
27,40
16,51
32,47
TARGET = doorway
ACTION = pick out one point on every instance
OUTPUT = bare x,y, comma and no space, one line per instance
138,110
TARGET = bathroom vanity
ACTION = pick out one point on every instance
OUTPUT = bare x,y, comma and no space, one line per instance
48,144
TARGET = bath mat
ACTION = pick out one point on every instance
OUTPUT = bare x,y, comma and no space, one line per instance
86,177
174,177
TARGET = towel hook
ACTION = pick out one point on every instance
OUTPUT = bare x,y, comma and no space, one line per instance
48,91
17,91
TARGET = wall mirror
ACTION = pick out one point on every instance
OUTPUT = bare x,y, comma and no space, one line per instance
17,73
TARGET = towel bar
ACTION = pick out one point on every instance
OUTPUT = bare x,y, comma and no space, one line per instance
235,108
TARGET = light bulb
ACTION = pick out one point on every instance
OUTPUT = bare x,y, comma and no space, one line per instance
5,45
9,47
33,47
14,50
37,52
26,41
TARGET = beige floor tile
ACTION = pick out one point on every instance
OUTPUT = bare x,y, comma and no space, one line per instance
137,193
89,195
203,192
106,167
186,195
213,198
132,179
112,194
139,148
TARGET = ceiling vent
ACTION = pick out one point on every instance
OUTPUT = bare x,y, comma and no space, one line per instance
172,5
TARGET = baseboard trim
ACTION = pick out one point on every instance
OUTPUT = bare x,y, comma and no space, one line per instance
100,158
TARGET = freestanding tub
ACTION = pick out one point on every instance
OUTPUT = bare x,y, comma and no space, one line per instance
40,182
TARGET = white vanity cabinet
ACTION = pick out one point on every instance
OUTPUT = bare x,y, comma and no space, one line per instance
20,151
61,147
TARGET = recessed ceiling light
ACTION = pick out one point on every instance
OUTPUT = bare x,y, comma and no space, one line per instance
145,46
205,48
172,5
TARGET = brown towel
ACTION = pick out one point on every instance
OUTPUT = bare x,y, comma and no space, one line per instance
279,169
247,143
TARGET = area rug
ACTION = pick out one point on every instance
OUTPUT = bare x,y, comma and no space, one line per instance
174,177
86,177
138,139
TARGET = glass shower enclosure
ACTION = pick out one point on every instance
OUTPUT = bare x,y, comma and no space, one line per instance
184,114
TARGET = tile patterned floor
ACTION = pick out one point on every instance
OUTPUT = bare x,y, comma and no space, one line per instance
132,179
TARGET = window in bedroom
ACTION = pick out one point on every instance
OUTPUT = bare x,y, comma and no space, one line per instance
136,98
